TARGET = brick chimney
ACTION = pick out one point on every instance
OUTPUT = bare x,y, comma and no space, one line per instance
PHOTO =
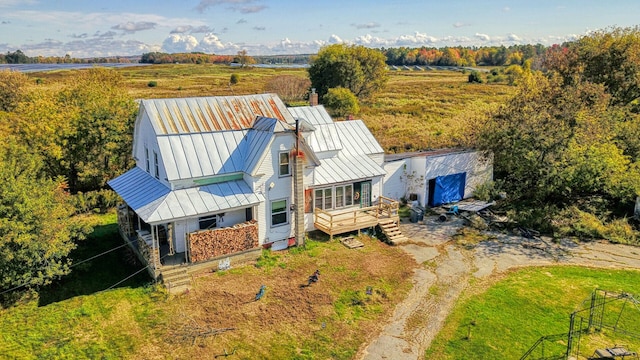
313,97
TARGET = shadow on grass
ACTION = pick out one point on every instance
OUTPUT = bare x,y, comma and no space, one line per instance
100,273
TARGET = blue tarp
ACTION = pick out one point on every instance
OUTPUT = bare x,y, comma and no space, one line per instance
449,188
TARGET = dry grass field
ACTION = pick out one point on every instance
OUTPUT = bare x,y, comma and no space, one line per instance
417,110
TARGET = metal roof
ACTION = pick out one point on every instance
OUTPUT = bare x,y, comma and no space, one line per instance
357,139
155,203
138,188
197,155
208,114
315,115
426,153
351,136
263,123
345,169
324,136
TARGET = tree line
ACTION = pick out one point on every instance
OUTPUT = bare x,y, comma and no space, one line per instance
464,56
446,56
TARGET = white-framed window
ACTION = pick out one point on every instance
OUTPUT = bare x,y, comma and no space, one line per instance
334,197
155,164
208,222
279,213
146,157
284,167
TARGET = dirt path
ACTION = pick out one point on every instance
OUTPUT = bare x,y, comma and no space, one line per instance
447,268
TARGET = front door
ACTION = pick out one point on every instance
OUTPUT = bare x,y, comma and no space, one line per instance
365,194
179,236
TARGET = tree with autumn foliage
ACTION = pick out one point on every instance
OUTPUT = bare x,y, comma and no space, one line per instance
83,131
566,146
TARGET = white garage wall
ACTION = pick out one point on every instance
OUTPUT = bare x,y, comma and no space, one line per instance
412,174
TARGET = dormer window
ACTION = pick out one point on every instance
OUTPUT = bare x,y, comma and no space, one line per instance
284,166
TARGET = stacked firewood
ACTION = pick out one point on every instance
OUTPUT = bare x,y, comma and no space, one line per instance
208,244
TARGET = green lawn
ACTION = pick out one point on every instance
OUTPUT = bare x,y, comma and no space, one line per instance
510,316
74,318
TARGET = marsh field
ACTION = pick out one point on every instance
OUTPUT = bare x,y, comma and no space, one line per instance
417,110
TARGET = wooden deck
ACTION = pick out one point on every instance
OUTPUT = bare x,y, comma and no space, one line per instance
342,221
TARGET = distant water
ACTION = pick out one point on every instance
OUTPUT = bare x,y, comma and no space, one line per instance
51,67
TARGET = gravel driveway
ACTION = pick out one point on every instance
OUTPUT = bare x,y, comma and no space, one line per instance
447,268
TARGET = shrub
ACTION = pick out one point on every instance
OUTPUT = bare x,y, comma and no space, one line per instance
152,83
475,77
234,79
585,225
488,191
341,102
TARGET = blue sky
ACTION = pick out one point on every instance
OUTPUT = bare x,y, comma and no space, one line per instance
87,28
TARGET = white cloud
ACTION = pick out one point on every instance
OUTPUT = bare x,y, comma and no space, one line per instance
212,44
506,9
181,29
514,37
417,39
131,27
176,43
483,37
335,39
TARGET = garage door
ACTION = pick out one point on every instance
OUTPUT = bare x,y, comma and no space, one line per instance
446,189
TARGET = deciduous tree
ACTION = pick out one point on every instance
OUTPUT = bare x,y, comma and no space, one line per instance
289,87
357,68
36,231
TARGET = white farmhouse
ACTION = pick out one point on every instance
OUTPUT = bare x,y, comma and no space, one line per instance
219,178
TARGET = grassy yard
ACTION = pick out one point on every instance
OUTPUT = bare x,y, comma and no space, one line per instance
77,318
504,321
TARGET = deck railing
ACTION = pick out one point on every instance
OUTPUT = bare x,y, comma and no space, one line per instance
341,221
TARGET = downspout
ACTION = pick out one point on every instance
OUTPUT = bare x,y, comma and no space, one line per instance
298,189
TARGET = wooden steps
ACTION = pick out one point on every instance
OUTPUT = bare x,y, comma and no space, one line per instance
392,232
177,280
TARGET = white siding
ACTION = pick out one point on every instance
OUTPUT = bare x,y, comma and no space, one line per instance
394,184
146,139
478,171
282,189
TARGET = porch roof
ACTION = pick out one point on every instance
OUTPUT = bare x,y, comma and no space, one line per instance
345,169
155,203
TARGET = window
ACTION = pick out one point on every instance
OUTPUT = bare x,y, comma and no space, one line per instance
155,163
348,195
208,222
339,196
279,212
334,197
146,157
328,199
284,168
